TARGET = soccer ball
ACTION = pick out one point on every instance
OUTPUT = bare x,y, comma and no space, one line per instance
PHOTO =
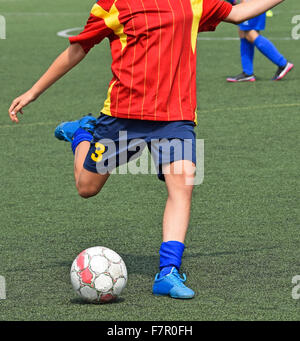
98,275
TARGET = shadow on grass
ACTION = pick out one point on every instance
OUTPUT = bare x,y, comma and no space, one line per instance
80,301
227,253
145,264
148,265
136,264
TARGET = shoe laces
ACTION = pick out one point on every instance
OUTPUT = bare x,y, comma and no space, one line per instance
176,278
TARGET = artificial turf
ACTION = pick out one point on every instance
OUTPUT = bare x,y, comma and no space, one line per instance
242,248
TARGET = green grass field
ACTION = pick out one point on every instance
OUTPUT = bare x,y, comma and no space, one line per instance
243,242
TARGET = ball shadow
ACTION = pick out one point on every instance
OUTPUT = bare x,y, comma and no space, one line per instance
81,301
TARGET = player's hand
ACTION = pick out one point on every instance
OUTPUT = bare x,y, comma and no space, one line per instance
19,103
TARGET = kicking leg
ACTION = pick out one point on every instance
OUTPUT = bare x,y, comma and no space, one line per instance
79,133
88,183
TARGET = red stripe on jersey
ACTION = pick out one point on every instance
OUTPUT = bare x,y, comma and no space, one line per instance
132,64
180,60
159,60
145,59
171,56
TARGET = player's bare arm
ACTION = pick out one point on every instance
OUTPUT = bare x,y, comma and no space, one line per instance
63,64
249,9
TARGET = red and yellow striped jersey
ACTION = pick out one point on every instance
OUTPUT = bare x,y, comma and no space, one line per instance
153,46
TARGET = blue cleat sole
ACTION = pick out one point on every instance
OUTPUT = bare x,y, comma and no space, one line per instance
175,296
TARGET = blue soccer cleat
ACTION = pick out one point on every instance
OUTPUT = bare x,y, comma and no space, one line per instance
66,130
172,285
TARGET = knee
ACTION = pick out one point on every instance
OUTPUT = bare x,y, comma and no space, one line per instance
185,181
180,175
251,35
87,191
186,185
181,185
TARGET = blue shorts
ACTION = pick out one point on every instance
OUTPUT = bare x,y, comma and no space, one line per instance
258,23
117,141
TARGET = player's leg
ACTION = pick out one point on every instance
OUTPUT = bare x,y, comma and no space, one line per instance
175,225
247,49
269,50
247,30
79,133
88,183
175,160
247,56
266,47
251,36
109,149
177,210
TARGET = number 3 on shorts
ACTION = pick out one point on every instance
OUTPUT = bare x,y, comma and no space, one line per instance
99,150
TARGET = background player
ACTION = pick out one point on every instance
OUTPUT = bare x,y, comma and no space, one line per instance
154,73
250,38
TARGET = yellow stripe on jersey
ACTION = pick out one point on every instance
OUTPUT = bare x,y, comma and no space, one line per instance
196,118
111,20
197,8
106,108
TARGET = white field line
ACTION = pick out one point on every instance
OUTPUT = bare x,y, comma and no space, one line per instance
23,14
65,34
68,33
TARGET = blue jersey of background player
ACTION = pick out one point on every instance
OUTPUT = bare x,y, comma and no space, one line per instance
250,38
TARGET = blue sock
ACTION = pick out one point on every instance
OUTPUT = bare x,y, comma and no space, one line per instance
80,135
270,51
170,255
247,56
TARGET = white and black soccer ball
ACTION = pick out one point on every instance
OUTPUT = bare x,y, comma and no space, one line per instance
98,275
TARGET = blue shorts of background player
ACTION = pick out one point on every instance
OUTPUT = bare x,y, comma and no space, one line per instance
250,38
258,23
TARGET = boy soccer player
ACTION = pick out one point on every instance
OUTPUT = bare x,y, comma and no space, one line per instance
152,96
250,38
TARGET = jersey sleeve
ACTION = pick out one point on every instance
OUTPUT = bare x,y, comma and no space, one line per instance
214,11
94,32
